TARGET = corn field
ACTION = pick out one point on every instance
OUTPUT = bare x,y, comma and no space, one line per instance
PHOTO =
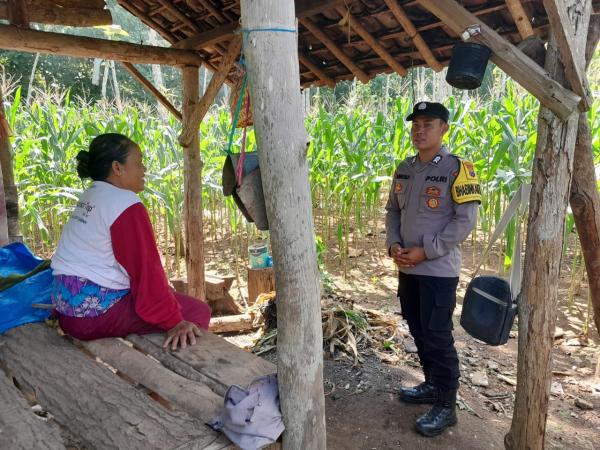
353,152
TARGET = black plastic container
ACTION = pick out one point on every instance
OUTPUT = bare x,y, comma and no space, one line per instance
468,64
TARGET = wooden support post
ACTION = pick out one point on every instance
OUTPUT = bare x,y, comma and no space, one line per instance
412,32
574,63
306,61
3,214
520,17
509,58
201,108
260,281
373,43
538,305
52,15
150,88
194,242
584,198
333,48
33,41
9,204
282,145
17,13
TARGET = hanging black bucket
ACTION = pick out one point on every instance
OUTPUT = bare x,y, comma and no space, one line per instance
249,196
467,66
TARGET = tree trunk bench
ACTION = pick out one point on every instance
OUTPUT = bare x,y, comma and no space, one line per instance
117,393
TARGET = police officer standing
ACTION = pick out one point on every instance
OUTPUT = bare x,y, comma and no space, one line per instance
432,208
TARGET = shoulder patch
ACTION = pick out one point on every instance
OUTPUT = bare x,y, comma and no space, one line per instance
466,187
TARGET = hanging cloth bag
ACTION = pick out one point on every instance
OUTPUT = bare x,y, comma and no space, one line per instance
241,172
490,303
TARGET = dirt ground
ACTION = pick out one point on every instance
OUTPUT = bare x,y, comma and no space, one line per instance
362,407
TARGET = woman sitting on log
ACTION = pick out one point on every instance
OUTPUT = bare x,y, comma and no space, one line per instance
108,276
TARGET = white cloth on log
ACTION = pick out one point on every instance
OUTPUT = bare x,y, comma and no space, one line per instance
251,417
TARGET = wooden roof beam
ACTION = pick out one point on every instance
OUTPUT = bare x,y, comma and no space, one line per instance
373,43
148,20
412,32
574,63
179,15
52,15
314,68
520,17
333,48
509,58
33,41
18,13
150,88
304,8
201,108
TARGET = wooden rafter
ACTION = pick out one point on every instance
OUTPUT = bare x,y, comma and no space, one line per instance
150,88
509,58
333,48
179,15
48,14
224,32
520,17
314,68
201,108
373,43
148,20
574,63
13,38
18,13
412,32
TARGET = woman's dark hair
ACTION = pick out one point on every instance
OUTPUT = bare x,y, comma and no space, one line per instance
104,149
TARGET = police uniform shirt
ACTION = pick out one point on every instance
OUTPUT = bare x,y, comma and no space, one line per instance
434,206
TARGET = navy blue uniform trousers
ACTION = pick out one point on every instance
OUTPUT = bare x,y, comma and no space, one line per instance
427,304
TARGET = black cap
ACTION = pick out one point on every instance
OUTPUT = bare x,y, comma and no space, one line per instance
429,109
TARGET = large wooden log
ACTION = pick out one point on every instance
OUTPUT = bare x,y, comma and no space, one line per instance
20,428
273,67
234,324
193,397
33,41
560,100
217,293
584,198
53,15
98,407
538,306
192,174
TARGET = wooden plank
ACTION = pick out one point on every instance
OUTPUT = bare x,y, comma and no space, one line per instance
201,108
234,324
20,428
520,17
218,360
573,62
333,48
192,179
412,32
53,15
373,43
320,73
197,399
509,58
224,32
13,38
87,398
91,4
147,84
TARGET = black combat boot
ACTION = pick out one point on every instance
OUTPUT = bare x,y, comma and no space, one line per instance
440,417
425,392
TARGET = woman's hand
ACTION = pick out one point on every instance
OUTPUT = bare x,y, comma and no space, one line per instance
181,334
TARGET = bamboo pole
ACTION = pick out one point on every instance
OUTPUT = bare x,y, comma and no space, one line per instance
194,243
282,145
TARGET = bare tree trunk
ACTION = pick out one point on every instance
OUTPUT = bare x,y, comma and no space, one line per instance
552,171
10,201
31,78
272,60
585,201
157,74
3,214
194,243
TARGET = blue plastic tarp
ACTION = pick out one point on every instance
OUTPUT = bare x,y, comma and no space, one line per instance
15,302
